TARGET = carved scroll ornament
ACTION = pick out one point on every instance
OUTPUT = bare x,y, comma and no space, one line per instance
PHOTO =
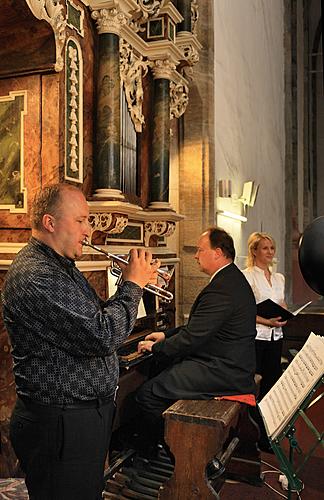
52,12
146,9
119,224
107,223
132,71
194,16
178,99
99,222
157,228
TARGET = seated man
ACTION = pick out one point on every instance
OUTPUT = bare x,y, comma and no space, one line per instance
214,354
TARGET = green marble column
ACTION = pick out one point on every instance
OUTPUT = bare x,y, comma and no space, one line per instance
159,166
184,7
107,169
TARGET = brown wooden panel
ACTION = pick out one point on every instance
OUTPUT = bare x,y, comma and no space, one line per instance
52,130
27,45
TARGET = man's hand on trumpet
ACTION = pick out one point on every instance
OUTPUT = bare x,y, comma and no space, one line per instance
140,269
152,338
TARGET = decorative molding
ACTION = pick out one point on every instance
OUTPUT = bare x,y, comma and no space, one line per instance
12,180
93,265
109,20
133,234
132,71
14,248
146,9
114,194
157,228
52,12
72,8
163,68
74,112
178,99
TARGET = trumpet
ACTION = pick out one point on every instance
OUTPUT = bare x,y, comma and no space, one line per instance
159,291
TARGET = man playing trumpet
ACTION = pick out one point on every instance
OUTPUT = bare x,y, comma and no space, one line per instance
64,340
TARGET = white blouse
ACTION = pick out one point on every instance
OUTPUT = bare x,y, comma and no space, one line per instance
263,290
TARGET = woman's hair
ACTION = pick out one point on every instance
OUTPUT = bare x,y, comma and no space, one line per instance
253,242
48,201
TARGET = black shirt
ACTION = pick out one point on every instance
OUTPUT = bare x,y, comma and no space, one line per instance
64,338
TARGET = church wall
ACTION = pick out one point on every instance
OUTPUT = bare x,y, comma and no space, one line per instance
233,129
249,115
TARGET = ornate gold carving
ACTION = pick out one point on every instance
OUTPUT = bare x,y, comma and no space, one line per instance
178,99
109,20
52,12
119,224
147,9
163,68
132,71
99,222
194,16
190,54
107,222
157,228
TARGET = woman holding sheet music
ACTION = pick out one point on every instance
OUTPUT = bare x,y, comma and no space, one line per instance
266,285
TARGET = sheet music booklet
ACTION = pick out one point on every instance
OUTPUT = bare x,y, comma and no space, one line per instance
269,309
302,374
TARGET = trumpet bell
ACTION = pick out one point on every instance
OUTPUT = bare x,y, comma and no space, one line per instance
311,255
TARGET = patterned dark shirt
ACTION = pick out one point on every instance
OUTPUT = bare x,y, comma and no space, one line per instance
64,338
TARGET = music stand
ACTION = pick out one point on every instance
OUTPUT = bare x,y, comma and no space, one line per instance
287,465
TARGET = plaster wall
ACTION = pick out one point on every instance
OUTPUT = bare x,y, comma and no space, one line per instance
249,116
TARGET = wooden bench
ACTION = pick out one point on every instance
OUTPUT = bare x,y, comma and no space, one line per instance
202,436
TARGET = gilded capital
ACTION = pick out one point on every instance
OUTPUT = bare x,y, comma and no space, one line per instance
163,68
109,20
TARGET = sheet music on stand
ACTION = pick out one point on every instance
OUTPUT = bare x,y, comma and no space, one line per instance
289,399
281,402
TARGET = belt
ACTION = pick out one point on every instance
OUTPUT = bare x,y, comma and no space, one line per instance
78,405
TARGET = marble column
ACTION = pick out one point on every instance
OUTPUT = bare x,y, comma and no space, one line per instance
184,7
160,150
107,178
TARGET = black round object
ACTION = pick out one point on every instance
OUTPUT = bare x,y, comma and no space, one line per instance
311,255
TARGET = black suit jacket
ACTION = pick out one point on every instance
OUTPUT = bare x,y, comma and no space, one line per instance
214,354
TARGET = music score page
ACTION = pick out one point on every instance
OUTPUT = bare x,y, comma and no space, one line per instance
301,375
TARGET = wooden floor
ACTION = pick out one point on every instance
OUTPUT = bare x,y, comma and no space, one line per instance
313,478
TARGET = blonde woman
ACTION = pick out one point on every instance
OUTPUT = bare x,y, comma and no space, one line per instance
266,285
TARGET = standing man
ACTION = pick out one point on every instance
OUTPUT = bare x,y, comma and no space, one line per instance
64,341
214,354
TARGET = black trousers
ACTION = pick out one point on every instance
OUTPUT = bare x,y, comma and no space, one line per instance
62,451
150,423
268,363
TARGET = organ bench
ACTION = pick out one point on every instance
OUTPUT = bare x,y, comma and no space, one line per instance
210,440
